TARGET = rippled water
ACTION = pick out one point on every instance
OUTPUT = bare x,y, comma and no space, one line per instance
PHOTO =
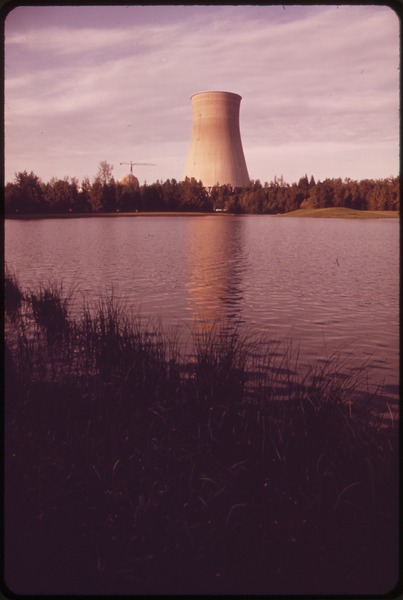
326,284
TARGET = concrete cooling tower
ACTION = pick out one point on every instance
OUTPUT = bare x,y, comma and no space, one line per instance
216,155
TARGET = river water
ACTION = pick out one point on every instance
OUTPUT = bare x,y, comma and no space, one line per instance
326,285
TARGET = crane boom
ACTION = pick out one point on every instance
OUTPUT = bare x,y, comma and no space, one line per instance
131,163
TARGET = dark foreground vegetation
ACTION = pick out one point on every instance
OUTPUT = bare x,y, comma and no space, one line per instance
130,469
29,195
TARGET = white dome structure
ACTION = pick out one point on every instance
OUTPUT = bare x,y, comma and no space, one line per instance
130,180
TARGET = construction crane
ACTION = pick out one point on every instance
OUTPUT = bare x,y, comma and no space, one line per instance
131,163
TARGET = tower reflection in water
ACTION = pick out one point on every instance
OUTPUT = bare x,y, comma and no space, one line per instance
216,263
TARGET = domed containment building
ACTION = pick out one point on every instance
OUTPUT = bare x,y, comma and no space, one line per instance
216,155
130,181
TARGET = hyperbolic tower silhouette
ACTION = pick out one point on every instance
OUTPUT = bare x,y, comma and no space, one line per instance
216,155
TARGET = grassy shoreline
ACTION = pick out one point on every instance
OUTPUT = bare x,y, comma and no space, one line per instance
132,469
332,212
342,213
116,214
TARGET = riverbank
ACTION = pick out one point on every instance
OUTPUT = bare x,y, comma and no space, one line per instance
342,213
111,214
333,212
132,469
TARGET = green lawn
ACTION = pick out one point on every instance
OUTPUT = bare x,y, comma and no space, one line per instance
342,213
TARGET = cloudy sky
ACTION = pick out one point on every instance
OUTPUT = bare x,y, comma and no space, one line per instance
319,87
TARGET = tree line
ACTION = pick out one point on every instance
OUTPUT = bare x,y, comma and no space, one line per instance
27,194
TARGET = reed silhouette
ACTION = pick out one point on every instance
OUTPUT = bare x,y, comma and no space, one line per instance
133,469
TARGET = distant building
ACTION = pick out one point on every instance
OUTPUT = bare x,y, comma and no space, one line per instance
216,155
130,180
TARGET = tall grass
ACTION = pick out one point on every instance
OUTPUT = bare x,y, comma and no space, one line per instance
13,295
50,310
130,469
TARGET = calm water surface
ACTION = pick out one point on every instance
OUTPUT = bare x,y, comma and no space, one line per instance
328,285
